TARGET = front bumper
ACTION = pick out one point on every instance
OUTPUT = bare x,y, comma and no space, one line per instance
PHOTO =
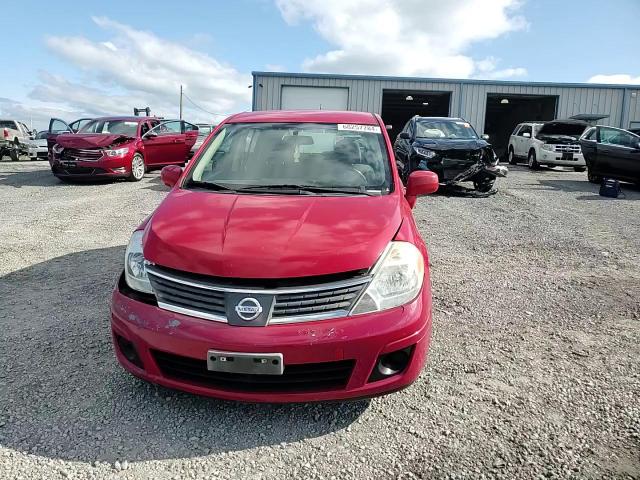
546,157
357,340
116,167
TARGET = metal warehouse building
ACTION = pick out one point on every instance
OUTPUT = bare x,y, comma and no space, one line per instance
492,107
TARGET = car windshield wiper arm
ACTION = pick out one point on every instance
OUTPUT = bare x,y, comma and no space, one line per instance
209,185
306,188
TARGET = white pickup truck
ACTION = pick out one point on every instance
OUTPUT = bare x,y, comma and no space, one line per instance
15,139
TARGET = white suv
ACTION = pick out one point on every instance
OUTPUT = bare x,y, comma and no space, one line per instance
553,143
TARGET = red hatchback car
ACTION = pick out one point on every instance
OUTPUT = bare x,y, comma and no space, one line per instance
284,266
123,147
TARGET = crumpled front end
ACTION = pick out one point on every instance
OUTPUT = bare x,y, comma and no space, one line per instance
84,157
485,164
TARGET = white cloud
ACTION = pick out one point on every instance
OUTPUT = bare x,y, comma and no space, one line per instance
620,78
412,37
134,68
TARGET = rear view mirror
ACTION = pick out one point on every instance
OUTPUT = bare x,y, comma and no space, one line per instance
170,175
421,182
526,135
405,136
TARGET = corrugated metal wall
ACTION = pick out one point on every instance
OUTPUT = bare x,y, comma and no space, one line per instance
467,99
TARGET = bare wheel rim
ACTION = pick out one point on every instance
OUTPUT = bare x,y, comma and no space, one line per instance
137,167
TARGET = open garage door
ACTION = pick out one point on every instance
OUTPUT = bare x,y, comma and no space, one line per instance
505,111
398,106
314,98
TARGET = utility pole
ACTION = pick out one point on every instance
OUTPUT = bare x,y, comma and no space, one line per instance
180,102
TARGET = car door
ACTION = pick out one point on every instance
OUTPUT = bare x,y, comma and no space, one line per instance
621,152
78,124
524,141
402,147
56,127
514,140
190,137
164,144
589,148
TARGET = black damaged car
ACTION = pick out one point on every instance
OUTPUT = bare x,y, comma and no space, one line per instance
451,148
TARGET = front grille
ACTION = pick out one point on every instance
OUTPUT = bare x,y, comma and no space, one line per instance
81,154
209,302
567,148
205,298
77,170
303,377
310,303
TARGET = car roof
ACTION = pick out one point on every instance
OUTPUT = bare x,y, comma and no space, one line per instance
125,118
458,119
304,116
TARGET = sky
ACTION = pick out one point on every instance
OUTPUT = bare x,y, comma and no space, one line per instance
99,58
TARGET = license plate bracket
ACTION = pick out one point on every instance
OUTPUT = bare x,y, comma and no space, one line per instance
245,363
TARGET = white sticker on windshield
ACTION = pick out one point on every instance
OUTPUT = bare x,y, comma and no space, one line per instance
353,127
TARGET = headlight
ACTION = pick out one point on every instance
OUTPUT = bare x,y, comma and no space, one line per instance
117,152
57,149
134,270
548,147
424,152
397,279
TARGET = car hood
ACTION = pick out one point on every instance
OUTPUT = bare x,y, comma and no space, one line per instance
451,144
270,236
89,140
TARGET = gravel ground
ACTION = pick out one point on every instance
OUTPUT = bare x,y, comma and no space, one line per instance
533,372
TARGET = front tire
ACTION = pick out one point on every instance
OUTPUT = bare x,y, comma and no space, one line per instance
484,186
511,157
592,177
14,153
579,169
137,168
532,161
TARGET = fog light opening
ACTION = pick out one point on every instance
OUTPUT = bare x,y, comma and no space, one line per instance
392,363
129,351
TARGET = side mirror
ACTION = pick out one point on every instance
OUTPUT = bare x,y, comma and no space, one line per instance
170,175
484,136
404,136
421,182
526,135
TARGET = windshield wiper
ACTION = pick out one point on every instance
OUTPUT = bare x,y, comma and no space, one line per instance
209,185
305,189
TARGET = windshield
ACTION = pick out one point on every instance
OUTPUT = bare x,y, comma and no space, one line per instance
118,127
331,156
444,129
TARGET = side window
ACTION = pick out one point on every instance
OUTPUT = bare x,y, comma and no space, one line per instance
590,134
613,136
188,127
172,127
525,129
58,126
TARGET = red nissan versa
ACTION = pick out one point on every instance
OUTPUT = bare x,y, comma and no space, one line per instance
284,266
118,146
